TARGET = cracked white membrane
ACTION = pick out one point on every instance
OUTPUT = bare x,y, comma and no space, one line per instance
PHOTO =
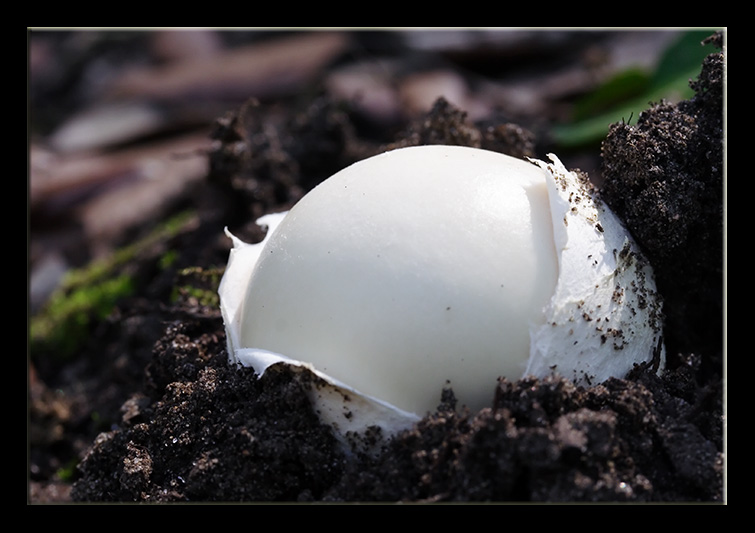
440,265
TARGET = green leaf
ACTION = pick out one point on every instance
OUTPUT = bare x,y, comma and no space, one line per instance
623,86
630,92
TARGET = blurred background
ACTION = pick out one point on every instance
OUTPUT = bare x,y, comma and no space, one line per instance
119,121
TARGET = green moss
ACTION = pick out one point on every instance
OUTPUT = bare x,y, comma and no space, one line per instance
89,294
67,319
198,285
168,259
66,472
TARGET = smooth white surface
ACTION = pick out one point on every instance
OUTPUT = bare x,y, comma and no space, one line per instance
408,270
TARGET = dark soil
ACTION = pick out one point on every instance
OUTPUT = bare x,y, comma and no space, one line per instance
195,429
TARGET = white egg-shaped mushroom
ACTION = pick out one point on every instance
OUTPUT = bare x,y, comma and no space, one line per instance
439,265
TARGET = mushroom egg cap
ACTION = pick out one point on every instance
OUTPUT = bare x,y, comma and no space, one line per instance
431,266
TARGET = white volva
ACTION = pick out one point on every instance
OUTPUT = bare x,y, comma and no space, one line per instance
439,265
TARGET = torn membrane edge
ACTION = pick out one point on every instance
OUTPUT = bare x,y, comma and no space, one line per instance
345,409
605,315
